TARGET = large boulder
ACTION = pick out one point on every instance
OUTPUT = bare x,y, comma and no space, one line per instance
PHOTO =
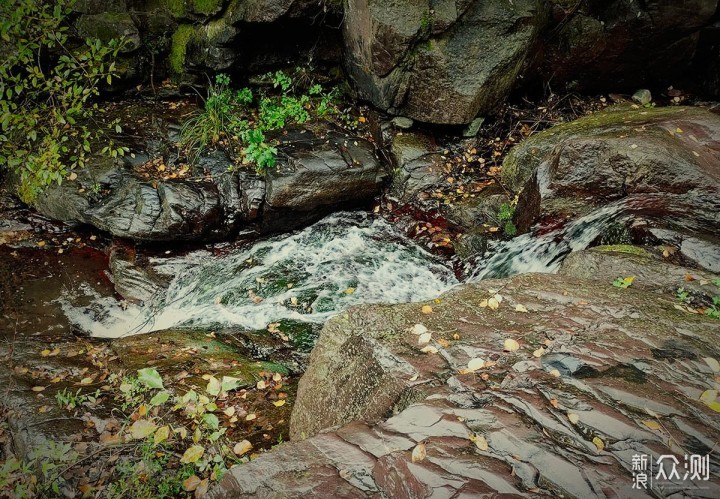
443,63
661,164
601,374
319,170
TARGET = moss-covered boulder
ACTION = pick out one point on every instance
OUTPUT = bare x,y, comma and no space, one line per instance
661,164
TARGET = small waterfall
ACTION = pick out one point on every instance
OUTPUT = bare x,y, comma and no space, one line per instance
343,260
545,253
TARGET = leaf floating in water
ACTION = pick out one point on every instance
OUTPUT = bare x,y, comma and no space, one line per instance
712,363
419,453
511,345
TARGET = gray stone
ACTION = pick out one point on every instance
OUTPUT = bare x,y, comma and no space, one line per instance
319,172
406,61
642,96
402,122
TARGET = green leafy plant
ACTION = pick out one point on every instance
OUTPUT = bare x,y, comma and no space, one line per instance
682,295
507,211
70,400
46,89
245,118
623,282
713,311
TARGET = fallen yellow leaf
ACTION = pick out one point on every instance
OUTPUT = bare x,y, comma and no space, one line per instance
426,309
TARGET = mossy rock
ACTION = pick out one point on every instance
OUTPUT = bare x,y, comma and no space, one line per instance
524,158
182,39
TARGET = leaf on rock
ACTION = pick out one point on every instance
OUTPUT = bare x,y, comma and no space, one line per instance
475,364
419,453
653,425
511,345
709,398
418,329
429,349
520,308
573,418
712,363
426,309
424,338
192,454
598,443
150,378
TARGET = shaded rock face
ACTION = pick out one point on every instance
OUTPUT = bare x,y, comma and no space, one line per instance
318,171
186,38
660,164
625,44
611,356
418,166
443,63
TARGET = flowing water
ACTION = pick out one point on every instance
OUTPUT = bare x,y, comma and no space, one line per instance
343,260
545,253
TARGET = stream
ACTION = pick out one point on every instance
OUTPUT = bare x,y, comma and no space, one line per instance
345,259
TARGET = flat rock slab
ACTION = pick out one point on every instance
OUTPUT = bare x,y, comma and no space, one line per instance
601,374
319,170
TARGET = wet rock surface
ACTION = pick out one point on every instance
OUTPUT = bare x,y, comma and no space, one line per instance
661,164
601,374
319,171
